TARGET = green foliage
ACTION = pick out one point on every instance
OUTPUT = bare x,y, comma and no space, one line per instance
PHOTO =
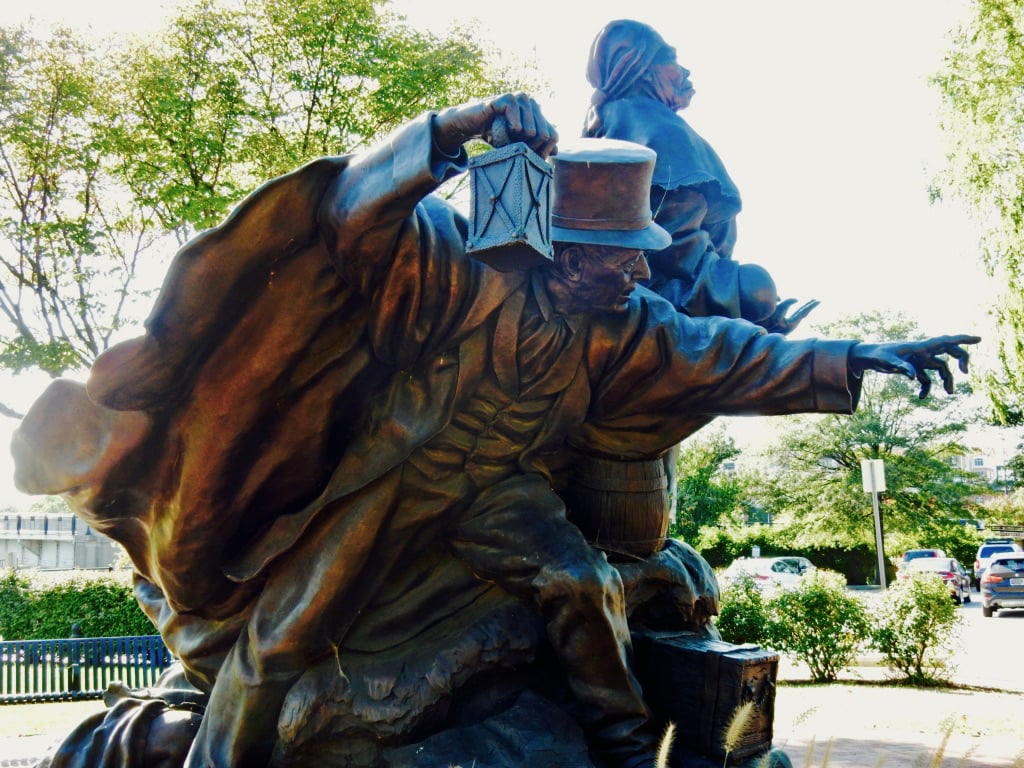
743,613
819,623
720,546
106,150
704,492
230,95
952,537
34,608
982,88
15,606
1007,509
818,488
915,627
67,247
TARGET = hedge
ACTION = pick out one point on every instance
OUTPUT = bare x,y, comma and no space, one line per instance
42,606
859,564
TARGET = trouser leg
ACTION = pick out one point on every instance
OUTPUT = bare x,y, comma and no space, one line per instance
516,534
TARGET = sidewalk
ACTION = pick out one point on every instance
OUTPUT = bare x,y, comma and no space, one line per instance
865,723
857,724
862,726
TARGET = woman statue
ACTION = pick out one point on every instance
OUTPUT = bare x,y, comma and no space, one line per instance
639,89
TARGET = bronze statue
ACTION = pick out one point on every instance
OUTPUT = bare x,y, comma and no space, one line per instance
639,90
332,456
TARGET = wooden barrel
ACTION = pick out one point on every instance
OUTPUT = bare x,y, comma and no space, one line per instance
621,506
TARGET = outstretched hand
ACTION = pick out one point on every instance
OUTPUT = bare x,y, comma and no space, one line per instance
501,120
780,322
914,359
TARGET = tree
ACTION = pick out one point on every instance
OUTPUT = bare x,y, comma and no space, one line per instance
704,491
69,244
982,89
105,152
227,97
818,485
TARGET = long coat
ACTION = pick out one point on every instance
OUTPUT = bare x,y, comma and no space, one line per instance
331,326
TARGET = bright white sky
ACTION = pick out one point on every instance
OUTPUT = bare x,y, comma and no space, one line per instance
821,111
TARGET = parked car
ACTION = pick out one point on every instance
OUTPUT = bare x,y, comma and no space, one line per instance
916,554
768,572
989,548
1002,586
949,568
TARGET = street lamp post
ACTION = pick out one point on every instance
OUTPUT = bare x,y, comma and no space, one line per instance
873,476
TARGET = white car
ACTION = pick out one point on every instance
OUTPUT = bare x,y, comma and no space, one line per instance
768,573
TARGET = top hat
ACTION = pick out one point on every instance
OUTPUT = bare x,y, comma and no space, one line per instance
602,195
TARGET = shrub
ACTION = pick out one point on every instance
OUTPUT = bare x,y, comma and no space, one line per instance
15,606
819,623
916,625
743,614
40,607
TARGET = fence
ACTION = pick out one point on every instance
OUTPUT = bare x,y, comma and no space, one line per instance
78,668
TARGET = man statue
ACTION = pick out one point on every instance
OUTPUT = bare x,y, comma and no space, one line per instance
445,391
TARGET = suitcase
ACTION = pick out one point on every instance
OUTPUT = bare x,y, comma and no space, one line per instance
699,684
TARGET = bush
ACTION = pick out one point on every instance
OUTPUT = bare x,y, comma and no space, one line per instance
819,623
743,613
915,628
39,607
15,606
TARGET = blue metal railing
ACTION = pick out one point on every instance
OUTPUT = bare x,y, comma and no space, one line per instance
78,668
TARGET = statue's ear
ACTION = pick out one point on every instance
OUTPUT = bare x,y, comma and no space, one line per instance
570,261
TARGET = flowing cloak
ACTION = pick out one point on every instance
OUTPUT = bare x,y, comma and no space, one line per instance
236,404
693,198
309,344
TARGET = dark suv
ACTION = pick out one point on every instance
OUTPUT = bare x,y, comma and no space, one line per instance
1002,586
985,552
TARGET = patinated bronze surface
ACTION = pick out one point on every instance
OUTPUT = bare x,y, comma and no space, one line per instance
336,457
639,90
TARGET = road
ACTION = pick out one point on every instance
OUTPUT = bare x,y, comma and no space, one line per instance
989,648
985,650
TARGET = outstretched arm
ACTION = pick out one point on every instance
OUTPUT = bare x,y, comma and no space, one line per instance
914,359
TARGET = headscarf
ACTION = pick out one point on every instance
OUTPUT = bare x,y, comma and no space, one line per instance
630,104
621,58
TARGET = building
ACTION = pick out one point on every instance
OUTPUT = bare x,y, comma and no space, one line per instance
52,541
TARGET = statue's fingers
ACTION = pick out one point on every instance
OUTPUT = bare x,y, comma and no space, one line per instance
962,357
962,339
545,146
946,375
926,383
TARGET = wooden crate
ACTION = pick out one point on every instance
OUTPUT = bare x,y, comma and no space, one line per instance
699,684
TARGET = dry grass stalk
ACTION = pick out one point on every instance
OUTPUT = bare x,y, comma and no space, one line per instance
809,756
665,745
737,725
